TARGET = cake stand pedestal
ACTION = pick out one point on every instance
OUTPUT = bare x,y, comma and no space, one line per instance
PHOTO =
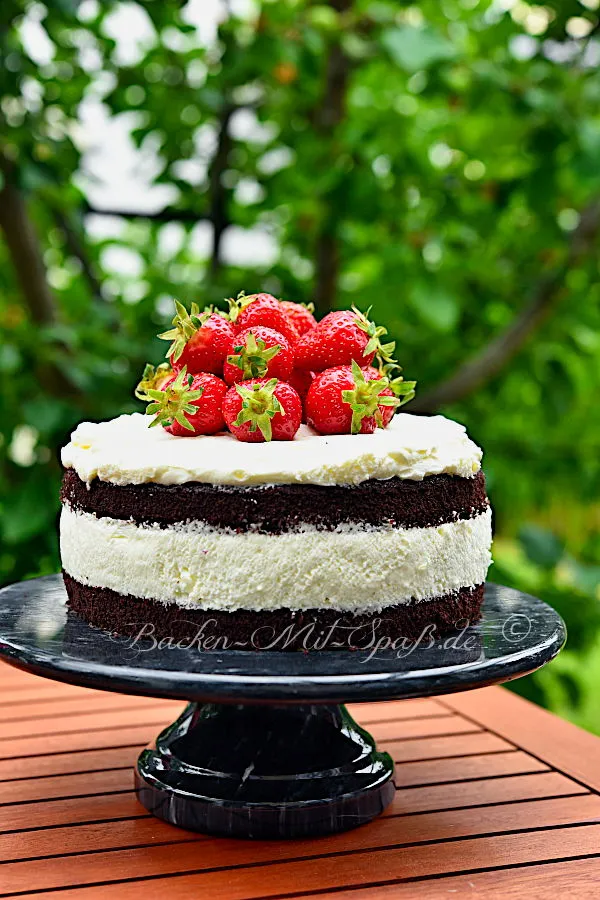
265,748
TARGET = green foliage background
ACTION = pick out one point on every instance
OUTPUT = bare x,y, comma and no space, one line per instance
439,162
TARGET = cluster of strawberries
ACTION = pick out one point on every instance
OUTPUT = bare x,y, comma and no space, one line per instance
268,365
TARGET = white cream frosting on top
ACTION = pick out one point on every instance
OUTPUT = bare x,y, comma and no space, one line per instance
126,451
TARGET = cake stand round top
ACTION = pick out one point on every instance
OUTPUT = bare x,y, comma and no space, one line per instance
517,635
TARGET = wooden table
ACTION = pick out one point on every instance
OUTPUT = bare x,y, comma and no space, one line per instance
497,799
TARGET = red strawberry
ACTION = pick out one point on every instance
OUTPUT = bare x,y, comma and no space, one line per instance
199,340
154,379
262,410
343,401
301,381
258,352
187,406
341,337
300,316
261,309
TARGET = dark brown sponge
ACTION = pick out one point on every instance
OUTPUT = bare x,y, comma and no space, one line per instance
281,629
274,509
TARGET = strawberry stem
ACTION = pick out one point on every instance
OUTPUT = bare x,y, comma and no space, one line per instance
374,332
253,358
151,379
365,399
172,404
404,390
185,327
259,405
240,303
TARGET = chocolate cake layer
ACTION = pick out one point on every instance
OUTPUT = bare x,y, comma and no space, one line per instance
274,509
281,629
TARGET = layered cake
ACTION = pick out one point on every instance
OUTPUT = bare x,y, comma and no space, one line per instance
268,537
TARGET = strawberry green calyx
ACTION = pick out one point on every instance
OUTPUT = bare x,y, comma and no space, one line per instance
365,399
152,378
374,332
185,327
403,390
253,357
237,305
259,405
172,404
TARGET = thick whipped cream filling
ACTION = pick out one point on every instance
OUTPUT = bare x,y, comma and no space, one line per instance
126,451
348,569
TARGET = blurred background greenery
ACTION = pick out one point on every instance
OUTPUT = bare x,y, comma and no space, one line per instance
438,161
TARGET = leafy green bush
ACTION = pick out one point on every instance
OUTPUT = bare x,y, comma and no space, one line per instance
539,563
439,162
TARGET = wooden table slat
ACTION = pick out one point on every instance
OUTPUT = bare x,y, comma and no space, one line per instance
447,746
50,813
467,768
41,690
109,736
367,713
409,729
571,880
26,767
60,726
32,718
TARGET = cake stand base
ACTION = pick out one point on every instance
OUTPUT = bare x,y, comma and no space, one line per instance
265,771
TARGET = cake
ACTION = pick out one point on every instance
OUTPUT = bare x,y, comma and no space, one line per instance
315,541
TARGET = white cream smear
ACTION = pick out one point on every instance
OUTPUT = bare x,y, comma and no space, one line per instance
126,451
351,568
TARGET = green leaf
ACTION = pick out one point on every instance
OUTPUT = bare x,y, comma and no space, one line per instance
541,546
323,17
10,358
414,48
48,414
28,513
436,306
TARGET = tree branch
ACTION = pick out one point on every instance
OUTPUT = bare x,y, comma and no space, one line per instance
24,250
327,118
218,193
77,249
495,356
26,256
170,214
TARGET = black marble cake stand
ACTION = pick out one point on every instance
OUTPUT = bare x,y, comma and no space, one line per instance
265,747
